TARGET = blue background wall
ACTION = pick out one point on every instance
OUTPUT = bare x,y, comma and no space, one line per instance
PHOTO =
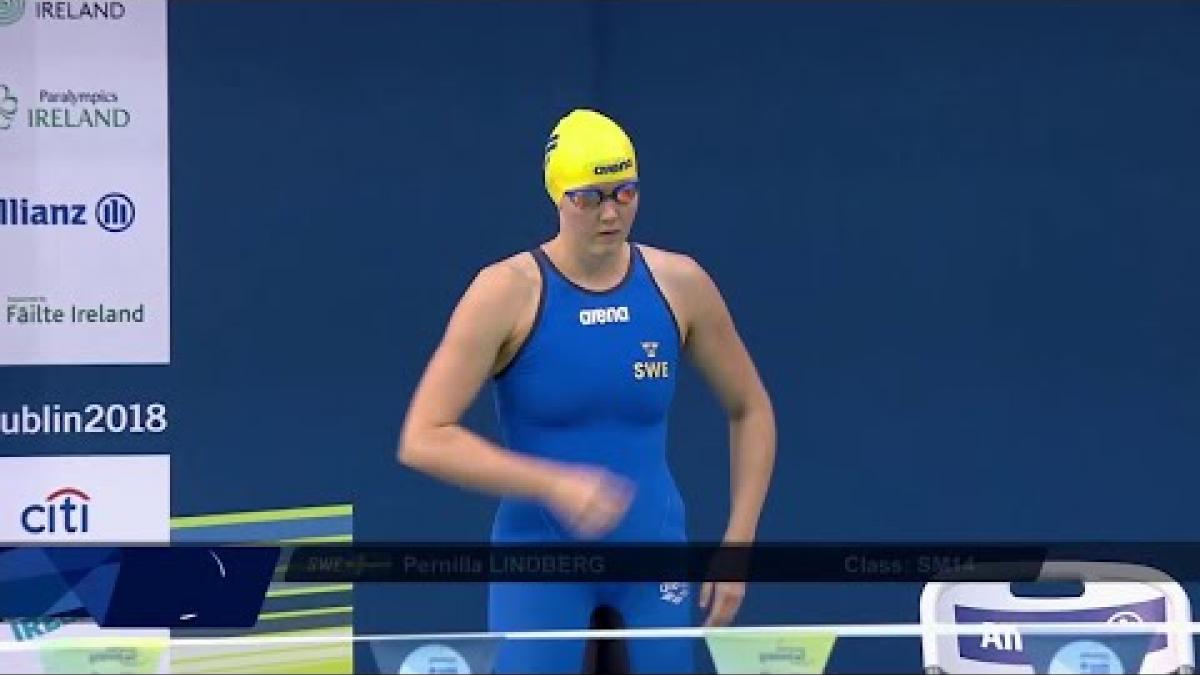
959,240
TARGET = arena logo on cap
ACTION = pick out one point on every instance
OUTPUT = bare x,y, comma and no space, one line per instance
620,166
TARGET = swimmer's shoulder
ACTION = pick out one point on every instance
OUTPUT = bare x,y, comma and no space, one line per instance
516,279
671,266
509,287
677,274
680,278
512,290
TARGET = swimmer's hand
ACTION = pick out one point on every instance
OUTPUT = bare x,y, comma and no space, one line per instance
722,599
591,501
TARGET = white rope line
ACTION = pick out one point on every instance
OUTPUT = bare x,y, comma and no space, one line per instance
841,630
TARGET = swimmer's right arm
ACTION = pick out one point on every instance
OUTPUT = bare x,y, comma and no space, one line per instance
433,441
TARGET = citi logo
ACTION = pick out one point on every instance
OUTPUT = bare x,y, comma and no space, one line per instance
65,510
591,317
613,168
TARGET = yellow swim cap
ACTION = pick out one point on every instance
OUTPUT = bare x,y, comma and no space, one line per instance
587,148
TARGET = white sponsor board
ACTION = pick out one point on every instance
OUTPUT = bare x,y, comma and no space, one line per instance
97,498
82,498
84,201
54,500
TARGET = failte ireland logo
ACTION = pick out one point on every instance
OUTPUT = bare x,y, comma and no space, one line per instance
64,510
11,11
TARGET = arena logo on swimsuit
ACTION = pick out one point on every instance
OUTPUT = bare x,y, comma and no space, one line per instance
591,317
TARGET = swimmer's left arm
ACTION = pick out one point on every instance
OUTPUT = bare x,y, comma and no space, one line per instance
713,345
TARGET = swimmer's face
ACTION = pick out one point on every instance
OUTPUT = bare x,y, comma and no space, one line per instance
600,214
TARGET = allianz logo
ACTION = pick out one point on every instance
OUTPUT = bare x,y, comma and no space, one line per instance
591,317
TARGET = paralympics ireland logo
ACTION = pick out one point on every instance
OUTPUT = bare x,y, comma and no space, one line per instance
8,100
11,11
66,109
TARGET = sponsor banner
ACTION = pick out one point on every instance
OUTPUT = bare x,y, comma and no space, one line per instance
80,646
85,498
446,656
80,499
768,652
1005,644
84,206
289,609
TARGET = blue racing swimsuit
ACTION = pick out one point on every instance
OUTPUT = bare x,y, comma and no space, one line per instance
592,385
